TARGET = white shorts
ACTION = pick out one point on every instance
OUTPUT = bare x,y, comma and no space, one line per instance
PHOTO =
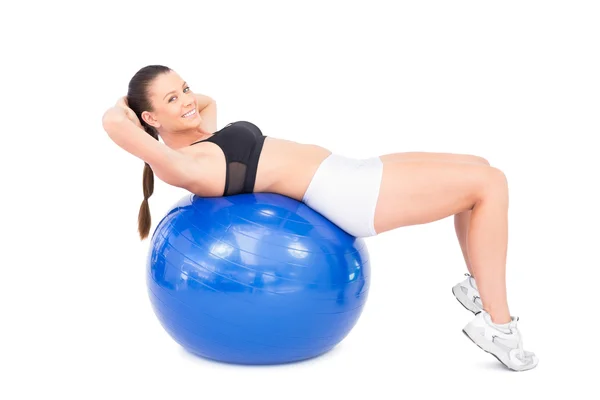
345,191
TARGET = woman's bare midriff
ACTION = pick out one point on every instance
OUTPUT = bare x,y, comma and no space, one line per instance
285,167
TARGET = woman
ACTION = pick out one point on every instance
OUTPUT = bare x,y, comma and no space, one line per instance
396,190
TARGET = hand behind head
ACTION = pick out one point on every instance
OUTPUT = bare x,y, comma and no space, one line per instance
122,103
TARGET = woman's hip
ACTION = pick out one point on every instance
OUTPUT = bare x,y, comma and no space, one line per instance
345,190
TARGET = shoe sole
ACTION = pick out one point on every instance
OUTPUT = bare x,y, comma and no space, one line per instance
495,356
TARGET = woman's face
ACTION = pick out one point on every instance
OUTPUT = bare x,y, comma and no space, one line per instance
171,99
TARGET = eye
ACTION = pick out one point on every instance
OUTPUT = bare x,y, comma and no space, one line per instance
186,88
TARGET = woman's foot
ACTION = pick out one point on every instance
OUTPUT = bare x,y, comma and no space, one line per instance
467,294
503,341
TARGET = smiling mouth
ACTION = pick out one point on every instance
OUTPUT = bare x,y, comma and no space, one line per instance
190,114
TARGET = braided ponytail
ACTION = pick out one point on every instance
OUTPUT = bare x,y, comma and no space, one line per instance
139,101
144,217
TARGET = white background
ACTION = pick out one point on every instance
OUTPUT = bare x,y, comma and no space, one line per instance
516,82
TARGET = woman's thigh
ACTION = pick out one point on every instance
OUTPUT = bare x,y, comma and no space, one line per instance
419,192
440,157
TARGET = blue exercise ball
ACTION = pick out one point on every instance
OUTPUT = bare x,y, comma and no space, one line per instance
255,278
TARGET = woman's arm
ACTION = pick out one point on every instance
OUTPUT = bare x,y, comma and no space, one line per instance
167,164
207,108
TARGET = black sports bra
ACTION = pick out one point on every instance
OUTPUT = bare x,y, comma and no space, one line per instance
241,143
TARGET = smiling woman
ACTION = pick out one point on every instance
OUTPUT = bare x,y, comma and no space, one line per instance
159,100
176,108
364,197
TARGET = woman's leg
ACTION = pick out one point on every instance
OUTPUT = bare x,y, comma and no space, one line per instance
461,220
441,157
419,192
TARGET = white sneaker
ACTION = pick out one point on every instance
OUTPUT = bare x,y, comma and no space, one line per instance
467,294
504,342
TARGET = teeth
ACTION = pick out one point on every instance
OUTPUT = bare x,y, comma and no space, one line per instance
189,114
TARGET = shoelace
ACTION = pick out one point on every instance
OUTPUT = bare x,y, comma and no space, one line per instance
470,276
475,298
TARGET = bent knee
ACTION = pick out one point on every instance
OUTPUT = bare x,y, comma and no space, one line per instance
489,181
479,160
498,177
496,182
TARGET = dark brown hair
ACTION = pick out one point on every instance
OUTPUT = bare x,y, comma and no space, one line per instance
139,101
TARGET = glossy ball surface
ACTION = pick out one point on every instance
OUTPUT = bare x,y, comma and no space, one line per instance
255,278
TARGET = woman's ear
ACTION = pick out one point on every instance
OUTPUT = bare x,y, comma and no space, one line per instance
150,120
